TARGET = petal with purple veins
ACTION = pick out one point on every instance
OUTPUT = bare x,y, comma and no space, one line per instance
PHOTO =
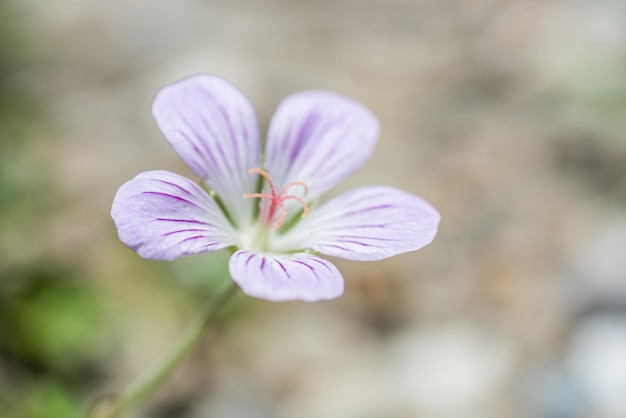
318,138
213,128
163,216
285,277
369,223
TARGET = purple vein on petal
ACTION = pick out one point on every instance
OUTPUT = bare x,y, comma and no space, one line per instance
242,139
283,268
310,268
231,131
367,198
246,138
209,245
368,209
339,247
366,226
176,198
304,133
194,238
226,120
329,125
362,244
304,264
208,131
184,230
194,144
319,262
193,221
207,151
328,157
244,127
182,189
361,237
217,144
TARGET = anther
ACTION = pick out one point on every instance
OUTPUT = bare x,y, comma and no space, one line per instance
278,199
266,176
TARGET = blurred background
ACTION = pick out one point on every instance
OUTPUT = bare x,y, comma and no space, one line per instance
508,115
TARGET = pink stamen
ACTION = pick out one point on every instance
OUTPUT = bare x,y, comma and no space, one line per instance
266,176
278,199
296,183
305,207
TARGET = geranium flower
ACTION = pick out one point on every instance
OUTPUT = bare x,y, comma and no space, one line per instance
263,206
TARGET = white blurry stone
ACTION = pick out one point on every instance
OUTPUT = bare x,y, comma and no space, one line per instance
597,360
450,370
600,268
549,392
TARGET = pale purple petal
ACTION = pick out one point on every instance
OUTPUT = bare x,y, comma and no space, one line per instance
163,216
212,126
318,138
370,223
285,277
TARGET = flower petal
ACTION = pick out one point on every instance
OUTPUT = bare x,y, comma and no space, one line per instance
285,277
163,216
318,138
212,126
370,223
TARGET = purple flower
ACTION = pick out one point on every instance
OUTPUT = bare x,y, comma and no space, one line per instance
265,205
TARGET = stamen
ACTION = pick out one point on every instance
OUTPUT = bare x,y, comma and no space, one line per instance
296,183
305,207
283,213
266,176
278,199
259,195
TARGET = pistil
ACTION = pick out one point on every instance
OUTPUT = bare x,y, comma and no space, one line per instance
277,199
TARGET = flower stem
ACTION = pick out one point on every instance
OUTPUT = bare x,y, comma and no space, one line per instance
145,384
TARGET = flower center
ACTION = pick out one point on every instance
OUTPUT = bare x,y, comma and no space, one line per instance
277,199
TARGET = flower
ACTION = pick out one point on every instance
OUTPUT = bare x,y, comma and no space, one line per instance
264,206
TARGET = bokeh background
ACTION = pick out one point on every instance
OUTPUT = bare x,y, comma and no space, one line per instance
508,115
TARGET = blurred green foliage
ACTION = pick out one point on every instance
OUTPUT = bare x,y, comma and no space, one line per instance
50,326
50,319
49,399
20,116
49,322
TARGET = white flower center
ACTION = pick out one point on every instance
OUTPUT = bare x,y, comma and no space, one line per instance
259,236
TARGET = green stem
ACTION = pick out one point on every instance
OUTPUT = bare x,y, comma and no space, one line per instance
154,376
